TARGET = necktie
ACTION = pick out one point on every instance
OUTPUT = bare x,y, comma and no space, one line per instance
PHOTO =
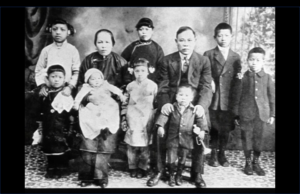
185,65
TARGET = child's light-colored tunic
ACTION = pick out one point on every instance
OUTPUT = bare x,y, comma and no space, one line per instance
140,112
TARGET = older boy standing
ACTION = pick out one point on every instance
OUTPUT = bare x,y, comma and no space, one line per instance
225,65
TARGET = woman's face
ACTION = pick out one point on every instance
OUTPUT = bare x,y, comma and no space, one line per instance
104,43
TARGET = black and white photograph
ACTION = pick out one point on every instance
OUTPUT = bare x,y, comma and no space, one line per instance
149,97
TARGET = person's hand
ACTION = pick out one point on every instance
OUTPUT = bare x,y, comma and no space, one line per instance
43,91
66,91
199,110
198,131
271,120
213,86
93,97
161,131
124,125
167,109
123,98
236,121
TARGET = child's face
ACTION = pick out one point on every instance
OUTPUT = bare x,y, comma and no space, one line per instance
140,73
104,43
184,96
59,32
256,61
223,38
56,79
145,33
95,80
186,42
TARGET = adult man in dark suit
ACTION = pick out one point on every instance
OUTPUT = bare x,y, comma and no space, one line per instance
183,67
225,65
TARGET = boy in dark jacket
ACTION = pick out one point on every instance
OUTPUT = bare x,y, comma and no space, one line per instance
55,125
254,107
225,65
180,136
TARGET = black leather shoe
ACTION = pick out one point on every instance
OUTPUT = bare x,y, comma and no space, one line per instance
213,160
132,173
103,183
222,159
154,179
199,182
256,168
50,174
172,180
178,179
57,174
84,183
141,173
248,167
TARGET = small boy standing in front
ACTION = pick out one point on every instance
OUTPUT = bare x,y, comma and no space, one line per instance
225,65
254,107
138,118
144,47
56,123
179,132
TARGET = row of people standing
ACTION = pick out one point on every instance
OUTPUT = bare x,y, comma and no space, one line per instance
220,67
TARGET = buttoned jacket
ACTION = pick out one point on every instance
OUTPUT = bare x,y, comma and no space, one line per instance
223,73
199,76
255,94
179,129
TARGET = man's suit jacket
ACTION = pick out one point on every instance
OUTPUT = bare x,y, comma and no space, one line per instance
255,91
199,76
223,73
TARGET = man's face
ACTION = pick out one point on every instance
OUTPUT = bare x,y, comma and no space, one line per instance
145,33
186,42
59,32
56,79
256,61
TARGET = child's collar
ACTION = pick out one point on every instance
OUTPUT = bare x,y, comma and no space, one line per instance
59,45
223,49
145,41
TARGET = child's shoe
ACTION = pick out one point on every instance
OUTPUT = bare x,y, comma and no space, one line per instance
178,176
141,173
256,167
213,160
248,167
171,175
222,158
132,173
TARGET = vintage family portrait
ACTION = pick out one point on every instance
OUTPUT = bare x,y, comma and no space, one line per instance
149,97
